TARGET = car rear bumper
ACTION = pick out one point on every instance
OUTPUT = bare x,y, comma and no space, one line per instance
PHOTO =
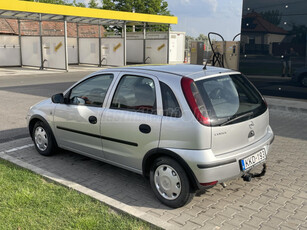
208,168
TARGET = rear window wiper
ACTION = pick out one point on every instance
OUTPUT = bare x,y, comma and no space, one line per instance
237,118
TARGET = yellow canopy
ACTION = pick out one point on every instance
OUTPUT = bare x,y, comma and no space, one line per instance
32,10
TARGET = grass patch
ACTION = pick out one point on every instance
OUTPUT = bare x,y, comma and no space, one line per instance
28,201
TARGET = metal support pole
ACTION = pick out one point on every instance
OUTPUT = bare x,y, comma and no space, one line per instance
41,41
125,43
100,55
65,44
168,42
19,36
78,44
144,43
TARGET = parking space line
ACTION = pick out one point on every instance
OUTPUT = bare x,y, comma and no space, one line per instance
19,148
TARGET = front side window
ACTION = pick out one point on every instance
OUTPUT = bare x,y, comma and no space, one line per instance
91,92
136,94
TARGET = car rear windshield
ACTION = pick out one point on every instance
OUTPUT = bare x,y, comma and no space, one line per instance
230,99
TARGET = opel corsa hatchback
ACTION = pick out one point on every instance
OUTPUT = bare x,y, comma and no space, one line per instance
184,127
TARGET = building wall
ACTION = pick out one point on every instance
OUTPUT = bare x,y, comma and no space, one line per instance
270,29
50,28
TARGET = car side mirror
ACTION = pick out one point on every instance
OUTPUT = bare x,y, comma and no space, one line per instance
58,98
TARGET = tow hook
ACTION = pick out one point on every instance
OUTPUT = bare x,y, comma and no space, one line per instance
248,176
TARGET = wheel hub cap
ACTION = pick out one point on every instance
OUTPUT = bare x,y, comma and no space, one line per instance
167,182
41,138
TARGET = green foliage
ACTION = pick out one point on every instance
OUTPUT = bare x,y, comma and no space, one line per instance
159,7
272,16
202,38
188,40
60,2
298,33
108,4
28,201
93,4
78,4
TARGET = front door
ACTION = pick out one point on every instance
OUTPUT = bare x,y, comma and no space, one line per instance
131,125
77,123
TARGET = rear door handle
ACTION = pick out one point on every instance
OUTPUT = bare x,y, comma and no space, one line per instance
92,120
145,128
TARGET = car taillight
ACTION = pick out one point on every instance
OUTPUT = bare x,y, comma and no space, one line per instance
195,100
209,184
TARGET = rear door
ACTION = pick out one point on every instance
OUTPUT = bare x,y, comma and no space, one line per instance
131,125
238,113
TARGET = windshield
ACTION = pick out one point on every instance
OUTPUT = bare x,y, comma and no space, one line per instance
229,97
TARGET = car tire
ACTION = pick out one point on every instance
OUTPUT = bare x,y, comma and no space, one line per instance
170,182
43,139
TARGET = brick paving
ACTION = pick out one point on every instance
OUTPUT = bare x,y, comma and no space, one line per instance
276,201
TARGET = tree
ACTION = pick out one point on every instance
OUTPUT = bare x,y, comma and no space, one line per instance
108,4
93,4
272,16
202,38
60,2
158,7
78,4
188,40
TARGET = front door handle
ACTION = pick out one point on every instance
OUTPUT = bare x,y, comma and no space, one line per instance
145,128
92,119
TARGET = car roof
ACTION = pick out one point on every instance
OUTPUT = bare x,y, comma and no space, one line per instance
187,70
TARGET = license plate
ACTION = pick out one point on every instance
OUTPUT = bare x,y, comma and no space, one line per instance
253,160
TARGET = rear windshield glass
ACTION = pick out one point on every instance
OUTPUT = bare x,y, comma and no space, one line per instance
230,99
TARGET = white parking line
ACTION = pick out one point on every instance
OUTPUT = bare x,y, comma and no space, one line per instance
19,148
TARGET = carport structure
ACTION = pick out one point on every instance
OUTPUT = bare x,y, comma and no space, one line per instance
53,52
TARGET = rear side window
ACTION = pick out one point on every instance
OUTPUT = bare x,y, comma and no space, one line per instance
136,94
229,98
171,106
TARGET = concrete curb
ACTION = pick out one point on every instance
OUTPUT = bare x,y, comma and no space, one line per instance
117,205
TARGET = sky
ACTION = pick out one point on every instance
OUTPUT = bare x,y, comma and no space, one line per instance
203,16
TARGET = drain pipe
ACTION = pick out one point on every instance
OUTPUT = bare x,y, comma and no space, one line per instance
103,60
148,58
41,41
42,67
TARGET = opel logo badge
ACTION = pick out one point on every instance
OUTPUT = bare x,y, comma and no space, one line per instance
251,125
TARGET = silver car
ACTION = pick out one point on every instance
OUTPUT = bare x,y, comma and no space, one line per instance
184,127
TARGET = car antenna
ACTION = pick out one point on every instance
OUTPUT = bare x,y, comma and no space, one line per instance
205,67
